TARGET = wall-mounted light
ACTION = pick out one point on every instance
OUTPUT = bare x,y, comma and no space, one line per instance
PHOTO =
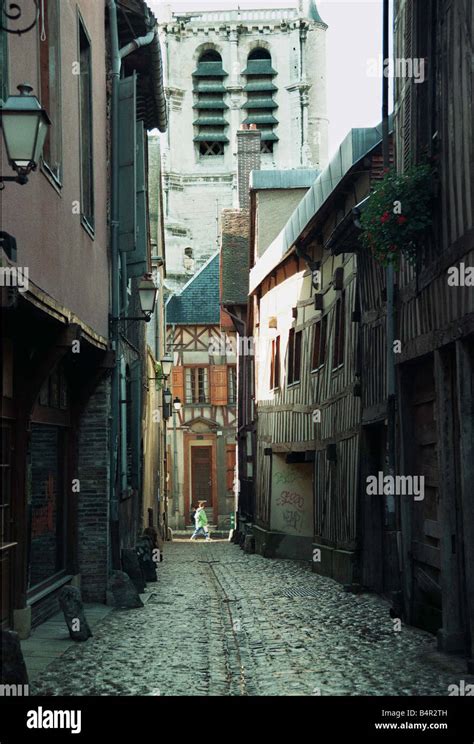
25,126
177,405
147,292
166,365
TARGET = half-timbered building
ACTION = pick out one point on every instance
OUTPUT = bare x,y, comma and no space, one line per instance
305,305
201,436
433,123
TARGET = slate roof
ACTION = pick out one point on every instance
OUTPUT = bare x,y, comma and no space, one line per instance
198,301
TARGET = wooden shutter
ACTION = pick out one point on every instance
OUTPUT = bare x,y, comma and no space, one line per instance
177,383
136,424
127,163
218,383
230,466
137,260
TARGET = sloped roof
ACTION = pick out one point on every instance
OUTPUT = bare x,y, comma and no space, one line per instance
198,301
354,147
296,178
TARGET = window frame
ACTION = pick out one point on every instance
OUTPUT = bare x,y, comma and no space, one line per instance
319,329
192,368
4,66
87,221
56,128
294,354
231,379
275,363
339,332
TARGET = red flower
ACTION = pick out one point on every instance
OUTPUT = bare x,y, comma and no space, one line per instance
402,219
392,247
385,217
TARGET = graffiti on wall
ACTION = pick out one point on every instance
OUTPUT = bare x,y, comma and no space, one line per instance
292,503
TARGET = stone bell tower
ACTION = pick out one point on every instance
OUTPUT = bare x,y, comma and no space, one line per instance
224,69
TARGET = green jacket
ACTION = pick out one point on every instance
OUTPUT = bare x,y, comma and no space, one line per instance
201,518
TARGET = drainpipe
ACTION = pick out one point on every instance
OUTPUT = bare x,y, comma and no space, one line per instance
137,43
116,301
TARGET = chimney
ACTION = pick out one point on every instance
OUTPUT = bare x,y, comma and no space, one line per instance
248,159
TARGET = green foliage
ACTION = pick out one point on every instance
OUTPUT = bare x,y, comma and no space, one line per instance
398,214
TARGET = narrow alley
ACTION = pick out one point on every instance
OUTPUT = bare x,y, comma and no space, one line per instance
221,622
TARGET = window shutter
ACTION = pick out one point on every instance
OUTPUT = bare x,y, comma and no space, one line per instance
127,163
137,260
218,385
136,424
177,382
230,466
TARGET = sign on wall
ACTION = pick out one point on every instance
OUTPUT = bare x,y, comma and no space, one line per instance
292,497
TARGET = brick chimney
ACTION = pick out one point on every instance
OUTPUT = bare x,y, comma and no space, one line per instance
248,159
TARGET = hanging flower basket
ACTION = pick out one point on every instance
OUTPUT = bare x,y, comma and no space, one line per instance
398,215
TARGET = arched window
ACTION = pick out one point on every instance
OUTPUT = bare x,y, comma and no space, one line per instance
209,104
260,104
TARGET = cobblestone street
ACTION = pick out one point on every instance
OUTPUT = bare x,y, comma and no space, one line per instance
220,622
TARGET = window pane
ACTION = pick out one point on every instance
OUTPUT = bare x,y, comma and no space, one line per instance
3,65
297,372
86,128
291,355
316,345
51,84
277,362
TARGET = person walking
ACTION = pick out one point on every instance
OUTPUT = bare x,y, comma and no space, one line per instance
201,522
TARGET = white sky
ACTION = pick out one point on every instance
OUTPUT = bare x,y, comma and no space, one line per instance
354,36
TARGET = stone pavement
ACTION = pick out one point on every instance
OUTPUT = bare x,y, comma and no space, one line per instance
220,622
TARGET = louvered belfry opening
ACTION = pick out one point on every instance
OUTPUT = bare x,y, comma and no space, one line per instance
209,104
260,103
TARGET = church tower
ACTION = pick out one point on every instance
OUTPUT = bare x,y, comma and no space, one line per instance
225,69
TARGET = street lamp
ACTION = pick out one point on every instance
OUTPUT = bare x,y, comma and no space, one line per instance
167,398
166,365
25,126
177,405
147,292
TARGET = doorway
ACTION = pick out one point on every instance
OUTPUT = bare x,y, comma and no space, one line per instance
201,477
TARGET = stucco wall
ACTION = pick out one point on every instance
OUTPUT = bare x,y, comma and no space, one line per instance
62,258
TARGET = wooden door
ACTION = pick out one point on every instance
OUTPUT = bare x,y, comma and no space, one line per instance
201,476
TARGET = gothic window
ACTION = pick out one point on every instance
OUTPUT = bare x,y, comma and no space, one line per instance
209,92
260,103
